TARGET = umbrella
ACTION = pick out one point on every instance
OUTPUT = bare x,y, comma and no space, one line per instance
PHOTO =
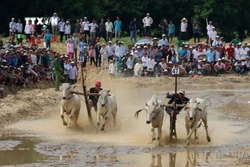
143,41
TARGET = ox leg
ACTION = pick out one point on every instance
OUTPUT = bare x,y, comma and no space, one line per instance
98,120
114,119
105,119
190,134
71,118
187,127
153,134
206,127
159,136
62,116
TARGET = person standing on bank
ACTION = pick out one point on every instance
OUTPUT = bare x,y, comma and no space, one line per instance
47,39
196,29
183,32
102,30
118,26
147,22
61,27
54,20
133,29
57,71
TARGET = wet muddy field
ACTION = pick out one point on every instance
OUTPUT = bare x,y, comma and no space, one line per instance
46,142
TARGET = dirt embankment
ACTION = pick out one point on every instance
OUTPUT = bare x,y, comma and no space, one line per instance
27,103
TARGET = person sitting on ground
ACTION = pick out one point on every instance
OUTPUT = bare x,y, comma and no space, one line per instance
138,68
180,99
93,99
239,67
219,67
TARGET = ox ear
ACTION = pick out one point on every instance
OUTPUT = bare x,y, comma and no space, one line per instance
108,91
74,86
146,104
199,109
186,108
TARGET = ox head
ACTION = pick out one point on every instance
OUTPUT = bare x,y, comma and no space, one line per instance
152,109
103,98
66,88
192,108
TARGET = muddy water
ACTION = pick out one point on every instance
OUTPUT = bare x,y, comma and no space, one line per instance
130,145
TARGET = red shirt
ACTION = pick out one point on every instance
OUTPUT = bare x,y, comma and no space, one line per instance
230,52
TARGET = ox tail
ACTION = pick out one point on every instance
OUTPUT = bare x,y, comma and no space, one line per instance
137,113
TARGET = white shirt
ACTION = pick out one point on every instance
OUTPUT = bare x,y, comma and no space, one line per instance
19,27
164,42
66,69
217,55
184,27
237,53
61,26
138,68
144,61
243,53
150,64
109,26
163,65
247,63
103,52
33,59
213,35
112,68
93,27
28,29
67,29
119,51
147,21
72,72
220,66
54,21
110,50
85,25
209,29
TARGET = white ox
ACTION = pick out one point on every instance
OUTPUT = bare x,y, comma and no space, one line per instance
155,115
196,113
106,105
70,105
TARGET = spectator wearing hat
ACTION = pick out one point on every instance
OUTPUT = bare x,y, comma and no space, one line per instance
212,36
163,67
217,41
110,51
163,41
119,50
12,27
196,30
133,30
57,71
130,64
61,27
102,30
147,22
236,40
85,27
209,30
109,29
247,64
171,30
54,20
72,73
67,31
66,70
155,42
138,68
47,39
183,30
239,67
219,67
104,56
118,26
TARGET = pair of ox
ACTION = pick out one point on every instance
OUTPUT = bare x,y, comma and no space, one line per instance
196,113
71,105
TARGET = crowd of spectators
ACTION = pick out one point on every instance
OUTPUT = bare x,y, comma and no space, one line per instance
21,64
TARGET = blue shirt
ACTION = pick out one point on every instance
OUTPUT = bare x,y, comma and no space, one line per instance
171,28
210,56
182,52
118,25
82,44
47,37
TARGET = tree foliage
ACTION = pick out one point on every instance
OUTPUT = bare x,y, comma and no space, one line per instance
228,16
